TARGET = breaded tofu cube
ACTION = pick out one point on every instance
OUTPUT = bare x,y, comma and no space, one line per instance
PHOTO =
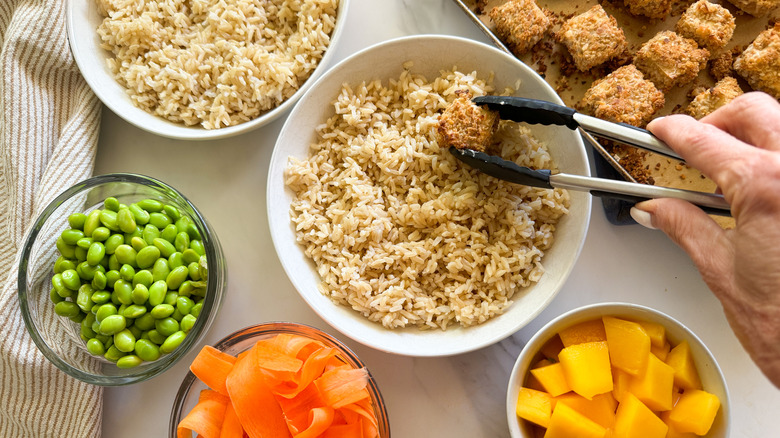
520,24
623,96
467,125
759,63
756,8
667,59
709,24
650,8
592,38
723,92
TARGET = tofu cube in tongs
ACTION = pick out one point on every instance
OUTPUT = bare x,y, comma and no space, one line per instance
533,111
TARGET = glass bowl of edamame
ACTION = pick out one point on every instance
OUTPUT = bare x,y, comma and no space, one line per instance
118,278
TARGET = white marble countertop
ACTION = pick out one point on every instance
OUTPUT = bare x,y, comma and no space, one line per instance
459,396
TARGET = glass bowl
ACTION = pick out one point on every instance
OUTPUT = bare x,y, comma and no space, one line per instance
244,339
59,338
712,378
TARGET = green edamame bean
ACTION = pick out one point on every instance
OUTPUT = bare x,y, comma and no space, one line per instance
126,273
84,243
112,324
92,222
182,242
101,234
113,263
195,311
150,233
176,277
197,246
187,323
147,350
126,255
186,288
157,292
113,242
172,212
182,223
80,253
140,215
144,322
170,298
111,203
129,236
193,231
135,331
177,316
124,341
86,330
55,297
59,285
71,236
124,292
175,260
87,272
108,219
76,220
140,294
156,337
104,311
160,270
77,318
144,277
84,298
99,280
111,277
134,311
190,255
166,326
138,243
71,279
62,264
67,309
95,347
161,311
172,341
67,251
151,205
125,220
95,253
129,361
159,220
184,305
100,297
113,354
169,233
194,270
147,256
166,248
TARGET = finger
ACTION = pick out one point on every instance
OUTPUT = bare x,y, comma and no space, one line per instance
695,232
752,117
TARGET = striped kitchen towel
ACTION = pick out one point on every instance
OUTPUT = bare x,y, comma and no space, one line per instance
49,123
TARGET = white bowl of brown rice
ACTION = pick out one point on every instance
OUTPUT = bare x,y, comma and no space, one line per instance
388,237
206,69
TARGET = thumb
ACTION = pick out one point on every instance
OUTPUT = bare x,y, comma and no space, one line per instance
689,227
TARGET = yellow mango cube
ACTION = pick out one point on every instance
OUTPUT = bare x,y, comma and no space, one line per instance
620,380
587,368
565,422
660,352
674,433
656,331
655,386
588,331
629,344
635,420
601,409
680,358
552,347
694,412
534,406
552,379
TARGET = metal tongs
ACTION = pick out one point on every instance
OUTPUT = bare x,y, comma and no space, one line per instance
534,111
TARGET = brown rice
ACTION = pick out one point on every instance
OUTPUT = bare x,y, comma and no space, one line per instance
400,230
215,63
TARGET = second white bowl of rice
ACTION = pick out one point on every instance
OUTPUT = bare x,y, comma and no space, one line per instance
202,70
390,239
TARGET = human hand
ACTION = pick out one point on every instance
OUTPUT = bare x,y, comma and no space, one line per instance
738,147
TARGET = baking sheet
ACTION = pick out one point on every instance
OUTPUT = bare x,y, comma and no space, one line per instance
552,62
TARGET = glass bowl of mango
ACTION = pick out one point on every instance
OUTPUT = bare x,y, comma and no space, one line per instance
617,370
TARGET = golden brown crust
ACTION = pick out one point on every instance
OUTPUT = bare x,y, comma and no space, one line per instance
669,60
759,63
466,125
721,65
623,96
520,24
650,8
710,25
592,38
723,92
756,8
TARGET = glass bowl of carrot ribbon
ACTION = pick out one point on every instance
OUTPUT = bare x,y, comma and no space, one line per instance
278,379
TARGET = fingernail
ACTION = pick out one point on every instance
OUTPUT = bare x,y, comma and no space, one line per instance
653,122
642,217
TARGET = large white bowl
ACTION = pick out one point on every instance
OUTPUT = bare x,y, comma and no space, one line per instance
712,378
430,54
83,20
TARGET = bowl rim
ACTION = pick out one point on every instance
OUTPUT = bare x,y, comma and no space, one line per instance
356,333
277,327
136,116
617,308
211,303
